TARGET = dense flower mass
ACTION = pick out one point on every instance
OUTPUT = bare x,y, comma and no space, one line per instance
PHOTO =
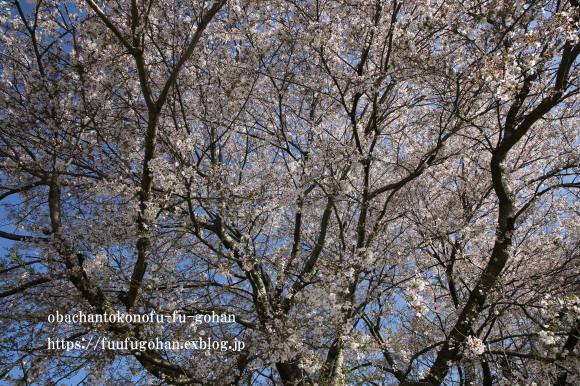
378,192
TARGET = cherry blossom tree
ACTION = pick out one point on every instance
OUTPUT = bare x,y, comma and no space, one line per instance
380,192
